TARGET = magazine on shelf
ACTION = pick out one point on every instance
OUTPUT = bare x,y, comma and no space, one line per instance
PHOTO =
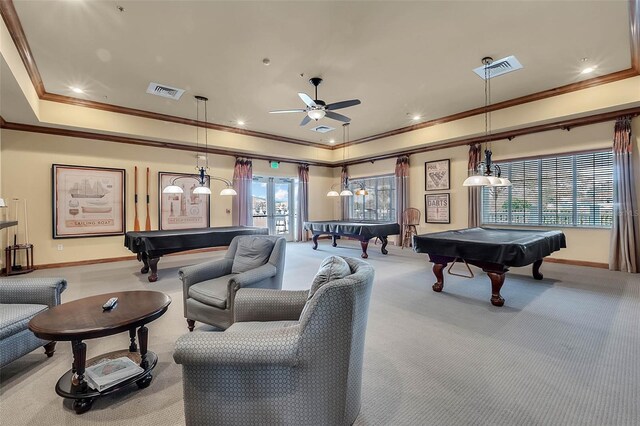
110,372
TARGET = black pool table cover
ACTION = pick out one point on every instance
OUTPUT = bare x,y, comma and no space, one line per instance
364,229
158,243
509,247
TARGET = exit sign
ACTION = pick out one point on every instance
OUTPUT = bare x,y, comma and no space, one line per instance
275,164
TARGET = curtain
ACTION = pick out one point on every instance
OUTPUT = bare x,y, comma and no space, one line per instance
344,201
623,251
475,152
402,192
303,202
243,202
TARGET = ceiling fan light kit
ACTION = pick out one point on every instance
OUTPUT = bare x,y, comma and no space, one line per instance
317,108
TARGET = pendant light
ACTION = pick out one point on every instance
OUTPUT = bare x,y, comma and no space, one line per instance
346,192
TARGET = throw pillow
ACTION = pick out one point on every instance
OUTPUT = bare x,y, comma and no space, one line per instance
251,253
332,268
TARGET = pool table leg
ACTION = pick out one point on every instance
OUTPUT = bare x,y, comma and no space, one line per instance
334,240
364,244
497,279
153,265
315,241
142,257
536,269
385,241
437,271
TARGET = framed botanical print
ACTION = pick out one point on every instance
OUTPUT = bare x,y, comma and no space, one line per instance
436,175
437,208
88,201
186,210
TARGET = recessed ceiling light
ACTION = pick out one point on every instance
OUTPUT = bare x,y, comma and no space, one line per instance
332,141
240,123
76,89
588,70
416,117
266,62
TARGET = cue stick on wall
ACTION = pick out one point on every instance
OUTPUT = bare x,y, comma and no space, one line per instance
136,221
26,224
147,226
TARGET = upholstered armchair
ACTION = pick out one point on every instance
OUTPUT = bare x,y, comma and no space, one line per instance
20,300
209,288
291,357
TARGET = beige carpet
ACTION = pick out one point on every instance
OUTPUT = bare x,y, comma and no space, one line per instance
562,351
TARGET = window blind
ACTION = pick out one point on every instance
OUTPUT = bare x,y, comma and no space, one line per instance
380,202
567,190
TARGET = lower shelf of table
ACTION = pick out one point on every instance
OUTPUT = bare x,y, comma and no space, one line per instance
66,389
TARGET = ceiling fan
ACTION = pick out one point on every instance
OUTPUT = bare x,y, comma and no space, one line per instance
316,108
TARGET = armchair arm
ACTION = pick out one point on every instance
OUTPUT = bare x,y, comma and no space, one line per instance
261,304
277,347
193,274
38,291
252,276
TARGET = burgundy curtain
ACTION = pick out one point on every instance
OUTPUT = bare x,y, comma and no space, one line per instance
475,153
344,201
623,251
243,202
303,202
402,190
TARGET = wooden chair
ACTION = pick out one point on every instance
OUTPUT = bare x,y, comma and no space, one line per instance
410,219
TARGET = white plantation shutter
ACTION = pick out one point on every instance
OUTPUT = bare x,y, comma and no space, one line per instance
567,190
379,204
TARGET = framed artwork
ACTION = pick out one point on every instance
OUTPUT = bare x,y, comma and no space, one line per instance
437,208
88,201
436,175
186,210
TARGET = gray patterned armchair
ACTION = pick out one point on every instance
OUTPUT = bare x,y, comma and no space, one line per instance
20,300
209,289
300,365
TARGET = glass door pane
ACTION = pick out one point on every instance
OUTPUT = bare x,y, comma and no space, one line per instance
273,202
259,202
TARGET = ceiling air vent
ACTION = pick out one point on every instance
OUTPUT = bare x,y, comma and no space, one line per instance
499,67
164,91
322,129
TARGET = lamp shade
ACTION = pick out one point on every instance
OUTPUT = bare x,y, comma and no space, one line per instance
476,181
503,182
333,193
202,190
172,189
228,191
316,114
346,193
494,181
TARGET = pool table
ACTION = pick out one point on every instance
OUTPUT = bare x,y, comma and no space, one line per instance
360,230
151,245
493,250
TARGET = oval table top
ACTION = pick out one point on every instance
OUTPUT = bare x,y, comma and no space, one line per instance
85,319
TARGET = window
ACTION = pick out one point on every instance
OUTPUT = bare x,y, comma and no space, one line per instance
567,190
380,202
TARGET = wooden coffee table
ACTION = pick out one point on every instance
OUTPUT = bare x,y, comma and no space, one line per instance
84,319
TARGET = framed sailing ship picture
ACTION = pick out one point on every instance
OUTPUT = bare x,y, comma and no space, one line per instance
186,210
436,175
88,201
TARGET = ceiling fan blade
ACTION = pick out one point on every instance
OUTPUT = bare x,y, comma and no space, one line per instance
343,104
305,120
337,116
282,111
307,99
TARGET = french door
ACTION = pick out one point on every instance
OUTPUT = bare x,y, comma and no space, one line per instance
273,205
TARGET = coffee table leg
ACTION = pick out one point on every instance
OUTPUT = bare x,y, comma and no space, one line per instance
79,348
143,338
132,337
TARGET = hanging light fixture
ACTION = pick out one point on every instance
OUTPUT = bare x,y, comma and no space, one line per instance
346,192
202,163
488,174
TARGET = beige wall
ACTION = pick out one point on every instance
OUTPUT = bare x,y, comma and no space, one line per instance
25,167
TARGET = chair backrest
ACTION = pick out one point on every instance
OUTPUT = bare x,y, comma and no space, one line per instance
332,335
411,216
276,258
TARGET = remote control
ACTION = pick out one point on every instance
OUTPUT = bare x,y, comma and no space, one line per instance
110,304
